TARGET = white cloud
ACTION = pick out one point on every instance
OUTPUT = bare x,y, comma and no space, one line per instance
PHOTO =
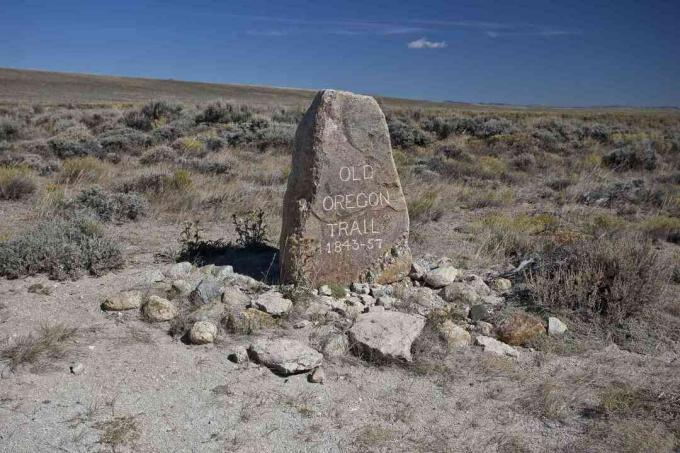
423,43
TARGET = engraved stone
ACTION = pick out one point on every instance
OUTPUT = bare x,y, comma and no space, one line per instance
344,212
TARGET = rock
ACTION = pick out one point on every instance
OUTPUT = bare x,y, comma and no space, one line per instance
494,346
485,328
367,300
179,270
274,303
417,271
386,335
335,345
423,300
360,288
76,368
208,269
152,277
302,324
556,327
244,282
209,312
519,328
454,335
157,309
285,356
480,312
376,308
182,287
344,195
203,332
325,290
234,297
207,291
239,355
460,292
248,321
501,285
317,376
441,276
222,272
126,300
39,288
385,301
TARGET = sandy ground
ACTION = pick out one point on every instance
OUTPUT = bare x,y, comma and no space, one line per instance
169,396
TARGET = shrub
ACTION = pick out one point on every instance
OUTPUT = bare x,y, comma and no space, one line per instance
152,115
74,142
10,129
493,126
631,157
406,135
210,167
108,206
77,169
15,183
158,154
61,248
218,112
609,278
251,229
523,162
124,140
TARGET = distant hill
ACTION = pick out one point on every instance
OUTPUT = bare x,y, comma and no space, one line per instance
20,85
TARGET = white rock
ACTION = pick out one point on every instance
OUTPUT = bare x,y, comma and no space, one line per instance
274,303
360,288
239,355
485,328
385,301
501,284
285,356
317,376
152,277
386,335
417,271
77,368
367,300
157,309
179,270
203,332
441,276
376,308
222,272
182,287
208,290
494,346
336,345
454,335
325,290
556,327
126,300
234,297
302,324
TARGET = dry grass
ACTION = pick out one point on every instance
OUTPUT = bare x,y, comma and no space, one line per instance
119,431
50,343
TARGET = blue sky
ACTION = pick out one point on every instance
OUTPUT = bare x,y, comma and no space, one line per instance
521,52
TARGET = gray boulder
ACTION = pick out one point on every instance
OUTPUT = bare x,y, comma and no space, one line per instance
386,335
285,356
203,332
441,276
126,300
493,346
208,290
157,309
274,303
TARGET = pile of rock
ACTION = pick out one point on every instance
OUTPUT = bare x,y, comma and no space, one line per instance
377,322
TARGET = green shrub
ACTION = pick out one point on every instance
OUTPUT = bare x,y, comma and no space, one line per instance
76,141
107,206
61,248
15,183
219,112
610,279
632,157
124,140
406,135
158,154
250,228
424,207
663,227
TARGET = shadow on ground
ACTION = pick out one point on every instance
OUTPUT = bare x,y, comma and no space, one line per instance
260,262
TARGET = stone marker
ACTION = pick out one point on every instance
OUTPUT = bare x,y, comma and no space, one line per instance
344,212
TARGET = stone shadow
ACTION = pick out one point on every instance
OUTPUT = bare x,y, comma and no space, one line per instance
260,262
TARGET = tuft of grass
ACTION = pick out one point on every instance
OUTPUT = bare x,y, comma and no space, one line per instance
16,183
49,343
663,227
619,399
82,169
119,431
424,207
